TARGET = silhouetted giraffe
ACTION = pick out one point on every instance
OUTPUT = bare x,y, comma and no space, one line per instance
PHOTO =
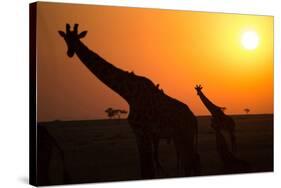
152,113
219,118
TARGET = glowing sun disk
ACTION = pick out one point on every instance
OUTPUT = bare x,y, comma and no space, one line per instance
250,40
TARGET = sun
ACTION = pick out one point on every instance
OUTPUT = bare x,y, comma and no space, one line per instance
250,40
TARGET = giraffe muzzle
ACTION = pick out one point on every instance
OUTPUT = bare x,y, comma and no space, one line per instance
70,53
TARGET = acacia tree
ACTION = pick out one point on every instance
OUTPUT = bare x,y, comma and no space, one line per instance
247,110
111,113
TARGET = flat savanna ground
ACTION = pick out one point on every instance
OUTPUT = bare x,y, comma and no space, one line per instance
105,150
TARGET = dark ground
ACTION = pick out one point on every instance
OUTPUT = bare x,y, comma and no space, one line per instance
105,150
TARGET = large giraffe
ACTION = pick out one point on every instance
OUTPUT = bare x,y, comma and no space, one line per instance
152,113
219,118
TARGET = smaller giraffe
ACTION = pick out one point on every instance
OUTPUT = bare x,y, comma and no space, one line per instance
219,118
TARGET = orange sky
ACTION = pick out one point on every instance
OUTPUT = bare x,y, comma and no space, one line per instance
176,49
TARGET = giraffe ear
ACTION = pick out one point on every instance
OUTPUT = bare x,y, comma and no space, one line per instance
61,33
82,34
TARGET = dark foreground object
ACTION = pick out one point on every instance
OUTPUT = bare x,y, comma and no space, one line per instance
105,150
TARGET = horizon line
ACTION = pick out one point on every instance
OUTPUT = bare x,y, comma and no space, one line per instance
205,115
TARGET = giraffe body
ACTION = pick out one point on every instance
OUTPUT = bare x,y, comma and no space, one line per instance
152,114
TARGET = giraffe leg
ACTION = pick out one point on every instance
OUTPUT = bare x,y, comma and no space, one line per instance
185,151
178,163
233,141
145,149
158,166
155,153
197,164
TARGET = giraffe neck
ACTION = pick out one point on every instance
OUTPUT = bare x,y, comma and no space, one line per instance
118,80
213,109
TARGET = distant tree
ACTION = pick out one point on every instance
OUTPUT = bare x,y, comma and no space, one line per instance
111,113
247,110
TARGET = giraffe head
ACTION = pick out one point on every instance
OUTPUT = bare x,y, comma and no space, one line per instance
72,39
198,88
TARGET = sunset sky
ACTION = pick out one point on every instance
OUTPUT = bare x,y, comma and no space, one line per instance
230,55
